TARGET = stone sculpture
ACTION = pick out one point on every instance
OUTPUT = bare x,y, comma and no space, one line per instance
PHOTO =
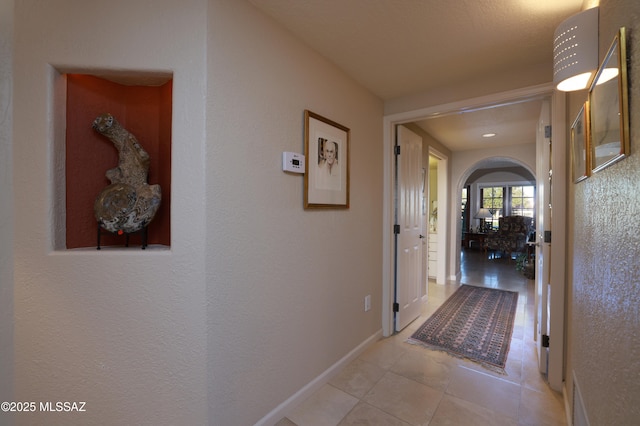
129,203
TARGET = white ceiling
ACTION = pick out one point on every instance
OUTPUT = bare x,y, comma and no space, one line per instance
400,48
513,124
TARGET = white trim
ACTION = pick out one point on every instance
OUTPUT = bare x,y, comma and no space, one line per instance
473,104
567,406
578,410
542,248
443,214
314,385
558,241
388,126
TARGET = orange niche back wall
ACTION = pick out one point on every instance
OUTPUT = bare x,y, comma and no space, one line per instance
145,111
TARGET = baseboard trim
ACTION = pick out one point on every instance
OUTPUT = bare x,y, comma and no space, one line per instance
567,405
578,411
306,391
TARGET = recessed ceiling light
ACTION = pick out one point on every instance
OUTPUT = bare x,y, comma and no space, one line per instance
488,135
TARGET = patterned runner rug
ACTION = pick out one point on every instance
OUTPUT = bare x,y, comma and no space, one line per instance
475,323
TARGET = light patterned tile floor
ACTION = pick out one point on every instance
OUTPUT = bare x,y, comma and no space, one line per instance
395,383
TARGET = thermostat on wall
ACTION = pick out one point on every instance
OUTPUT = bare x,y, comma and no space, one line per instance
292,162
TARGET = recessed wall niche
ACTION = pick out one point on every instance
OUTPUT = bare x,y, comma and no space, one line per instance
142,109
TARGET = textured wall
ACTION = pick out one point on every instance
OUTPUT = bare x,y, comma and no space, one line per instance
123,330
6,207
285,286
605,318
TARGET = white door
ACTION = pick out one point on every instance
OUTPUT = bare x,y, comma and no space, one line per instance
551,253
558,257
409,227
543,223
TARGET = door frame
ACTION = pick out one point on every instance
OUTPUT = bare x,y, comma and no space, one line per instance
389,123
557,270
443,212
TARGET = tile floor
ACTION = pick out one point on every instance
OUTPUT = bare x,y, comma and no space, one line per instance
395,383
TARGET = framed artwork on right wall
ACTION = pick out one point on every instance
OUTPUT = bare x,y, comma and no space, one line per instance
580,167
609,108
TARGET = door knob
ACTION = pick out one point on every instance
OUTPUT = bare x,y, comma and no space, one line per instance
421,236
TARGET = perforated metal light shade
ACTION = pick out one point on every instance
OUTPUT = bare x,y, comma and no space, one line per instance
575,51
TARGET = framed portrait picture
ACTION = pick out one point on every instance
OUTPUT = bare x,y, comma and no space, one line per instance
326,181
609,107
580,154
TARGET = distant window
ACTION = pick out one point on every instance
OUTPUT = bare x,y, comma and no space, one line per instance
522,200
464,213
493,199
502,201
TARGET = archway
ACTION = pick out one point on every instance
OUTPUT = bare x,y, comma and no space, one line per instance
512,171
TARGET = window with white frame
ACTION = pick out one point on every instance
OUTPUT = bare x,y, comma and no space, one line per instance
508,200
522,200
493,199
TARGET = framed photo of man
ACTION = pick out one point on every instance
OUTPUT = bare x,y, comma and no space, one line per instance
326,181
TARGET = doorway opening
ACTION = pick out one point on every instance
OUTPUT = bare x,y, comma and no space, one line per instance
420,222
451,203
491,189
550,311
437,216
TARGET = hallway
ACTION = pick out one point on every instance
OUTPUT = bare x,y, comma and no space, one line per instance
395,383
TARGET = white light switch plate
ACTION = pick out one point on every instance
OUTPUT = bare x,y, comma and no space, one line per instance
367,303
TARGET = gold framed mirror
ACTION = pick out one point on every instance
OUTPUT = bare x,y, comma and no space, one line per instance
609,107
579,145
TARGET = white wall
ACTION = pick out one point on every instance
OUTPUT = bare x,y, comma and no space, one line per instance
464,162
6,207
502,176
123,330
256,297
285,287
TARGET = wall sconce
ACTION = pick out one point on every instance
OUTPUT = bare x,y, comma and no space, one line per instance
483,214
575,51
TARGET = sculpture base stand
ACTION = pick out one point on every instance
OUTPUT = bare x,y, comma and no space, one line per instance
142,232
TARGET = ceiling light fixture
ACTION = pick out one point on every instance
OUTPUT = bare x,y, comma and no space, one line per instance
488,135
607,74
575,51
